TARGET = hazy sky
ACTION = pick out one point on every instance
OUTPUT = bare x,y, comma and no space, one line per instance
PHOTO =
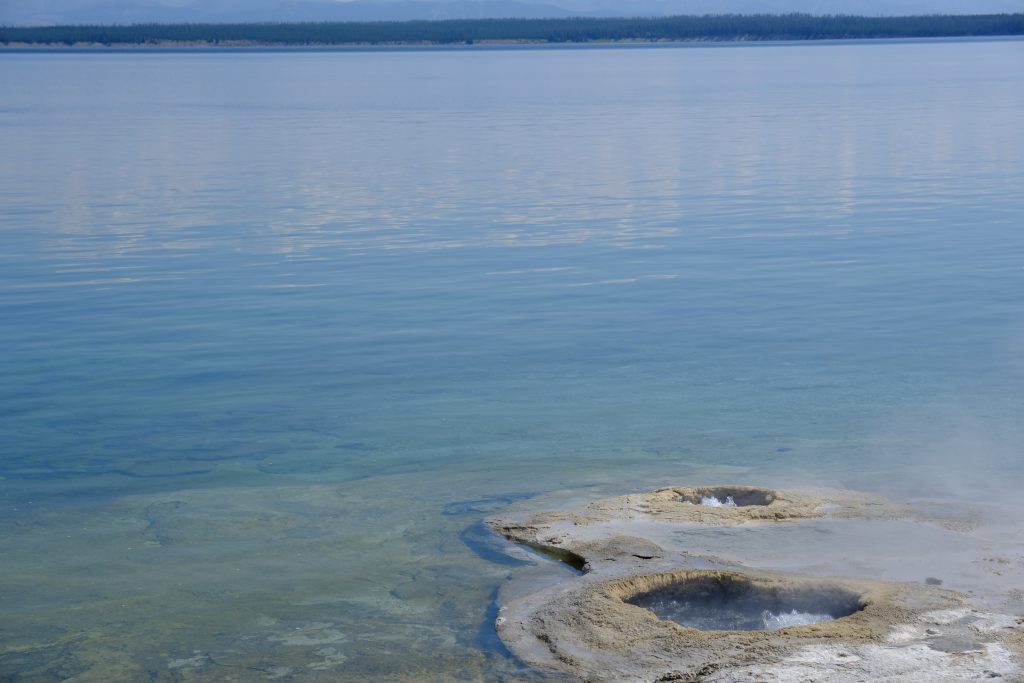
130,11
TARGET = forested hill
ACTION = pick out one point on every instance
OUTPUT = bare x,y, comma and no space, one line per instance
573,30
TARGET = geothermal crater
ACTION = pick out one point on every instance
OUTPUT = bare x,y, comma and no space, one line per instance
716,601
740,584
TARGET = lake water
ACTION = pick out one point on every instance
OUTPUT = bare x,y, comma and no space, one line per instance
278,329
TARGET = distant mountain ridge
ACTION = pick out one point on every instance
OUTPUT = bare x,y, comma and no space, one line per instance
65,12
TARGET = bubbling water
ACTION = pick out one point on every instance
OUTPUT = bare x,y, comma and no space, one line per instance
774,621
725,496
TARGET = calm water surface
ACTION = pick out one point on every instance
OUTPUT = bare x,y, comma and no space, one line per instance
277,328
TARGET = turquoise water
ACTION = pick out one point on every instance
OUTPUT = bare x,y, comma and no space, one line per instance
278,329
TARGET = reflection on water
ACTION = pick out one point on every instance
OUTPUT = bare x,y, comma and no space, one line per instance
274,321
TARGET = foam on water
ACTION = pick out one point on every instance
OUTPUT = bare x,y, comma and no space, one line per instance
774,621
713,502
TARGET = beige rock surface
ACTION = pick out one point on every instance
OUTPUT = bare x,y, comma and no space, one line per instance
632,545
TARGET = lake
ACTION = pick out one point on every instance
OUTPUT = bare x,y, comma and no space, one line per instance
280,328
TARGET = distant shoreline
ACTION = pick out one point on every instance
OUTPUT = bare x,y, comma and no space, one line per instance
478,45
499,33
170,46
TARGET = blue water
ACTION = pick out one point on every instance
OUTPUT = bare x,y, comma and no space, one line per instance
278,328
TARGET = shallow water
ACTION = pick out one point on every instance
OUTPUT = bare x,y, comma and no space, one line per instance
280,328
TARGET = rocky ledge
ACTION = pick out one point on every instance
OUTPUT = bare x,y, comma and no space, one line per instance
739,583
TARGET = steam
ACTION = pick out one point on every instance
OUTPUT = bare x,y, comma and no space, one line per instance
947,451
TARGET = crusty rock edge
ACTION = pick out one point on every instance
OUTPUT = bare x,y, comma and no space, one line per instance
585,627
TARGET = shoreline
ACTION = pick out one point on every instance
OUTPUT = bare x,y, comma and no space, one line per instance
501,33
253,46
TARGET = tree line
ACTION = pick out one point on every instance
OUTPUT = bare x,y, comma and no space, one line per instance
569,30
